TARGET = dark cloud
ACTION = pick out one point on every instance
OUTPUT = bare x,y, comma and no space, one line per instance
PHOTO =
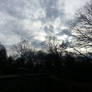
36,43
49,29
52,9
64,32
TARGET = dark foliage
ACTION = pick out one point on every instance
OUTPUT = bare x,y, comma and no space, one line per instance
64,66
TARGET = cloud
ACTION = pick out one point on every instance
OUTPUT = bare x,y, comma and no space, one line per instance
51,9
72,6
34,19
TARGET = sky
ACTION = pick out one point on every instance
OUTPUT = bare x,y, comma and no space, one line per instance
35,20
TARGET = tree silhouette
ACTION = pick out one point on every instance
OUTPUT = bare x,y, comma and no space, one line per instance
24,51
83,28
3,55
56,52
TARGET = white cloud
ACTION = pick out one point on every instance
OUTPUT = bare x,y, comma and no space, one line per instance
34,19
72,6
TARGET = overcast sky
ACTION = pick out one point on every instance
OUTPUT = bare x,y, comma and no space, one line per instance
34,20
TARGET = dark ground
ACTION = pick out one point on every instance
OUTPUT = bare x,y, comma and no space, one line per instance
41,83
38,83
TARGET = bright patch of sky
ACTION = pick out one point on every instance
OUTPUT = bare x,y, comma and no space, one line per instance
34,20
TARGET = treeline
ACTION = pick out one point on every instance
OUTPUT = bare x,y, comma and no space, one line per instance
56,61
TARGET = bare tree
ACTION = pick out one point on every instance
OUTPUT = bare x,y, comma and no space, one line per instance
83,28
53,46
24,50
